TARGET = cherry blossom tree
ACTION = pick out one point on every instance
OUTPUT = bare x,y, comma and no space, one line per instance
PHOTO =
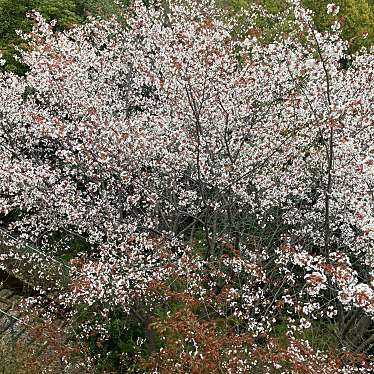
220,173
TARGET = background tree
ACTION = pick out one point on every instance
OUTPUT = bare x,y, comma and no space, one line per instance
357,18
67,13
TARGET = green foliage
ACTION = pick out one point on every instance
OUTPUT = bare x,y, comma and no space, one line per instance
125,342
66,12
13,17
98,8
125,335
320,335
357,17
66,247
